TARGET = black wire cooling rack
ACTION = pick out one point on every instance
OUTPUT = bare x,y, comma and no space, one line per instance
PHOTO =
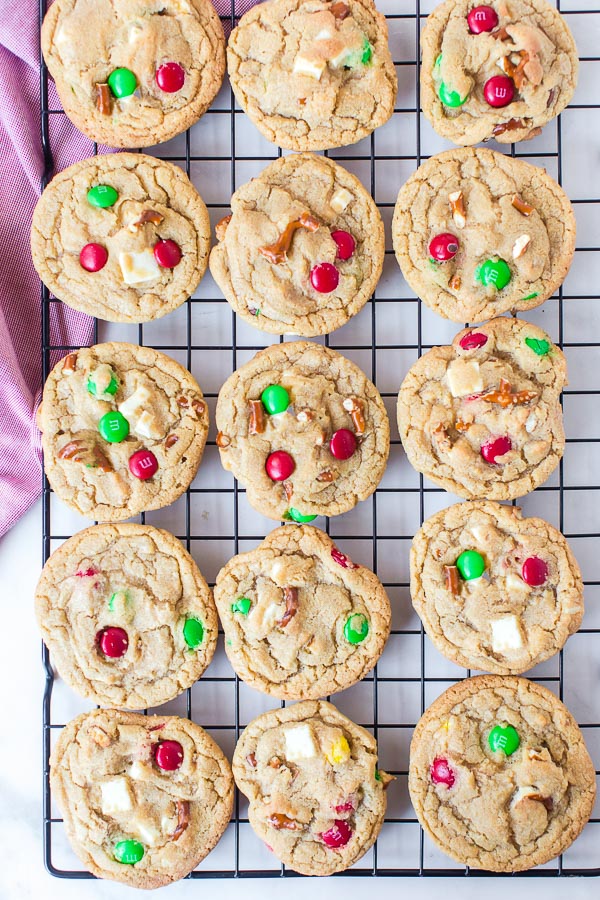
395,329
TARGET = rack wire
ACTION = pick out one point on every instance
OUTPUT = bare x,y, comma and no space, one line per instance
214,520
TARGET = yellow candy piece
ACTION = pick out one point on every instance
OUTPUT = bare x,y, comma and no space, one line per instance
339,751
445,725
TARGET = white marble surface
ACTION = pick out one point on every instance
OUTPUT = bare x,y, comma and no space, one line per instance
22,873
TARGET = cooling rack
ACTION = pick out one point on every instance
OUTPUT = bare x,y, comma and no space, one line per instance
214,520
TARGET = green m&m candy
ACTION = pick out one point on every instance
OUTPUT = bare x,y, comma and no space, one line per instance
539,346
102,382
122,82
113,426
275,399
128,852
242,605
505,738
495,272
356,628
102,196
449,98
367,53
470,564
193,632
529,297
296,516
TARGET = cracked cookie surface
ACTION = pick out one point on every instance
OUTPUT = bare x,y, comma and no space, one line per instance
482,417
500,777
123,430
477,233
153,202
495,591
173,54
313,74
503,73
316,795
144,798
304,431
301,620
301,212
137,588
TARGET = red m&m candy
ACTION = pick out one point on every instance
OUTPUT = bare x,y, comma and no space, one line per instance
498,447
143,464
168,755
170,77
499,91
167,254
346,245
93,257
347,806
338,835
113,642
473,340
534,571
441,773
342,443
324,277
482,18
443,247
279,465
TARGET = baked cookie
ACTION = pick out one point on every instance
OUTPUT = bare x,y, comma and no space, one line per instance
301,620
303,430
133,73
144,798
482,418
313,74
303,249
500,777
123,430
494,591
477,233
500,70
317,798
126,614
123,237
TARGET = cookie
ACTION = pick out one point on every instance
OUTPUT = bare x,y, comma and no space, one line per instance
123,430
303,249
500,70
126,614
301,620
133,73
313,74
144,798
123,237
499,776
317,798
303,430
477,233
482,418
495,591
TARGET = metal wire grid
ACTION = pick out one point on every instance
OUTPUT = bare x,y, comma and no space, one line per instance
418,858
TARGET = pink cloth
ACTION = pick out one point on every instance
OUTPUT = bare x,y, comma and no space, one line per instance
21,170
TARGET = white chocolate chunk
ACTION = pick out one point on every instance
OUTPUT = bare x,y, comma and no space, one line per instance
139,267
340,200
506,634
515,583
145,830
345,54
300,743
314,68
139,771
265,617
136,401
323,35
116,796
531,423
148,426
464,377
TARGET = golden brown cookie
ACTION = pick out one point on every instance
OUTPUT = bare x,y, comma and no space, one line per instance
303,249
494,590
313,74
317,798
123,237
482,418
133,73
500,777
301,620
123,430
478,233
498,70
144,798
